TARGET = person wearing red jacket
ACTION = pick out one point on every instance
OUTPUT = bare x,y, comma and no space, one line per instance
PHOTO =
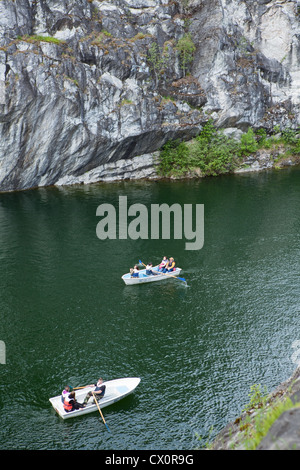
71,404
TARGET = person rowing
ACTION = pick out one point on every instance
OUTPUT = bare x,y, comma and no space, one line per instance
149,270
98,392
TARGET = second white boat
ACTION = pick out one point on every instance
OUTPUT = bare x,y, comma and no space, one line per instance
143,277
115,390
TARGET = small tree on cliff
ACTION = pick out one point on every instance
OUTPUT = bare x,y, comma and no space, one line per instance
156,61
186,49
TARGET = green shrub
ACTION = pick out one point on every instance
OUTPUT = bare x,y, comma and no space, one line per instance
257,397
261,136
211,152
174,158
289,137
295,149
263,421
186,49
156,61
38,38
248,142
208,132
214,153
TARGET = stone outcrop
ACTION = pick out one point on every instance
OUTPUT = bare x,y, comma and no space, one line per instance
247,61
282,435
89,83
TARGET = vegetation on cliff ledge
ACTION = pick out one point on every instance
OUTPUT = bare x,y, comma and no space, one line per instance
213,153
249,430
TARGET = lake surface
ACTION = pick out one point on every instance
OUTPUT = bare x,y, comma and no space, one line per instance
68,318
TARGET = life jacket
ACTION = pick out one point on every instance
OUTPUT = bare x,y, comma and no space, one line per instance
171,264
67,405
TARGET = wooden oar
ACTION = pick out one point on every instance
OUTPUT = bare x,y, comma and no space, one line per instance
141,262
175,277
166,274
100,412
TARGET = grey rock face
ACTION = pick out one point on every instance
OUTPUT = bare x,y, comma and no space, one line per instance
93,94
247,61
284,434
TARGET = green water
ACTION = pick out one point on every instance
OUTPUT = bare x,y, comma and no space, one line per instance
67,317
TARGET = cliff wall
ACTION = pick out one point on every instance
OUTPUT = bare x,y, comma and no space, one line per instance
90,88
283,434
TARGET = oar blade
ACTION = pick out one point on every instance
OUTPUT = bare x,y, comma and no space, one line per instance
101,412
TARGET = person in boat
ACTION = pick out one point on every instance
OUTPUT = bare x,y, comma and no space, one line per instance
134,272
163,263
170,266
71,404
65,392
99,390
149,270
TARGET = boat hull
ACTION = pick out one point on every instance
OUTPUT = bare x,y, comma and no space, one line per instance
115,390
143,277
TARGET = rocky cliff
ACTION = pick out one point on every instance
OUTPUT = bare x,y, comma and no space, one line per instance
91,89
283,434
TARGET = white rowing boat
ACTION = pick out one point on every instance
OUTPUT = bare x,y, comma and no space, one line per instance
115,390
143,277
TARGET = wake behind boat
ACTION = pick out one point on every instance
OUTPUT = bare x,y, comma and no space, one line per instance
115,390
143,277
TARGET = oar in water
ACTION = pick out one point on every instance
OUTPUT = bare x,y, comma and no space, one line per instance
100,412
166,274
175,277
